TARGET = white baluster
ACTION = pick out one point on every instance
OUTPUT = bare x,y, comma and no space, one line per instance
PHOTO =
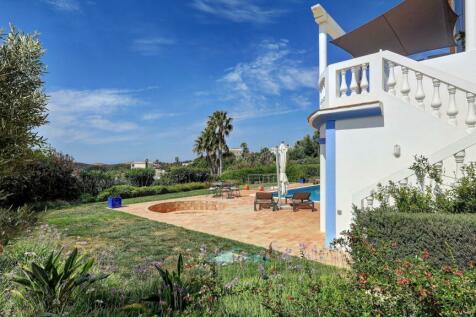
405,89
391,82
420,94
459,158
439,168
471,118
343,83
436,101
354,85
452,110
364,83
370,201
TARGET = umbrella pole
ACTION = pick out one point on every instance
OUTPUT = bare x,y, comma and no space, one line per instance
277,179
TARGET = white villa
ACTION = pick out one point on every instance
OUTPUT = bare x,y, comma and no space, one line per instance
382,107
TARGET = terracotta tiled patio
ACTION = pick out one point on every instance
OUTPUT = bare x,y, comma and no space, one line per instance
235,219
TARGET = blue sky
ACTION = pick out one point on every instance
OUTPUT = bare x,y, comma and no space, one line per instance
131,79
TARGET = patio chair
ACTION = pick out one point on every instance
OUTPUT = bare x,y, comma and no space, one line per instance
265,200
303,199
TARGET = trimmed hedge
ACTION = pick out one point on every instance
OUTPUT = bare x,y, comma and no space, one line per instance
128,191
446,239
294,171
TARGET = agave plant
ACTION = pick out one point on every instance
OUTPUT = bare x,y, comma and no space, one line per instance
51,286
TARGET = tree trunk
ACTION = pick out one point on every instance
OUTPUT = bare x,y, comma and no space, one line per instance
220,158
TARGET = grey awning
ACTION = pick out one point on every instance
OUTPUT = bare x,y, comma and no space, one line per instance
411,27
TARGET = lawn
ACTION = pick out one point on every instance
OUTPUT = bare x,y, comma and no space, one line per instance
126,247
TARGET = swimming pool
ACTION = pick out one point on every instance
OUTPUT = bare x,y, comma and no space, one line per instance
314,189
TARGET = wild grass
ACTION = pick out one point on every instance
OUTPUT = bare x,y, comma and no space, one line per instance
127,247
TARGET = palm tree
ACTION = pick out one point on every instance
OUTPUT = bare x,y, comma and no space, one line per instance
205,147
211,142
221,126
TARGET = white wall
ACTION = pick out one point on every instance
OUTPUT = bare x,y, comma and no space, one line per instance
461,65
322,203
364,148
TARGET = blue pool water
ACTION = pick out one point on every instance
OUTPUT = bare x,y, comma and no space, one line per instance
315,191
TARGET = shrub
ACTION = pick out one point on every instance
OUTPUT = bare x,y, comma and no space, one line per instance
128,191
241,174
296,171
93,181
13,220
450,239
460,198
185,174
46,176
464,192
52,286
140,176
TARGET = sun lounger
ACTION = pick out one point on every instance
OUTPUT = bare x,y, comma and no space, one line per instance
302,200
265,200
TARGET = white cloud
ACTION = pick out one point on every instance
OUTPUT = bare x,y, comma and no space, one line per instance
96,101
159,115
64,5
152,45
117,126
275,82
237,10
85,115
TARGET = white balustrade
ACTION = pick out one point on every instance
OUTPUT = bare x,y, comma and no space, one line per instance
391,82
436,101
471,116
354,86
343,83
322,90
459,159
370,200
364,82
420,94
405,89
452,110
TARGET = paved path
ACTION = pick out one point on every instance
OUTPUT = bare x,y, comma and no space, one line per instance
288,231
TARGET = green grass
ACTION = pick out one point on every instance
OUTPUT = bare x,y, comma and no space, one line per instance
125,246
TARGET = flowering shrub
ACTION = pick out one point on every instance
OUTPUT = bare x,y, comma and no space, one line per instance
449,238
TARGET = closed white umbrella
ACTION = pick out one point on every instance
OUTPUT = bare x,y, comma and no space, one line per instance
283,179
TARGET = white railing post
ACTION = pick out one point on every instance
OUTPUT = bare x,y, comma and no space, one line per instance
405,89
391,82
354,85
364,83
370,200
459,159
420,94
436,101
343,83
471,117
452,110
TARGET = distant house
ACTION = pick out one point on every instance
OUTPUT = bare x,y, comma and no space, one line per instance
159,172
237,151
135,165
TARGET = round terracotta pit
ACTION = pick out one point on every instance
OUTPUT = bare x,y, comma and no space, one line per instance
187,205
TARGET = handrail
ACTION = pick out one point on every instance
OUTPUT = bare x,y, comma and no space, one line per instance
441,155
429,71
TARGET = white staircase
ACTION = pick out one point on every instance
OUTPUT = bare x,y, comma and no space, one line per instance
387,78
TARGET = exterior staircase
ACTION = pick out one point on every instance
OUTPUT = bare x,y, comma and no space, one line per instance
387,79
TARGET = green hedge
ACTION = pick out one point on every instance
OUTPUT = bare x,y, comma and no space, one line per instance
294,171
128,191
449,239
